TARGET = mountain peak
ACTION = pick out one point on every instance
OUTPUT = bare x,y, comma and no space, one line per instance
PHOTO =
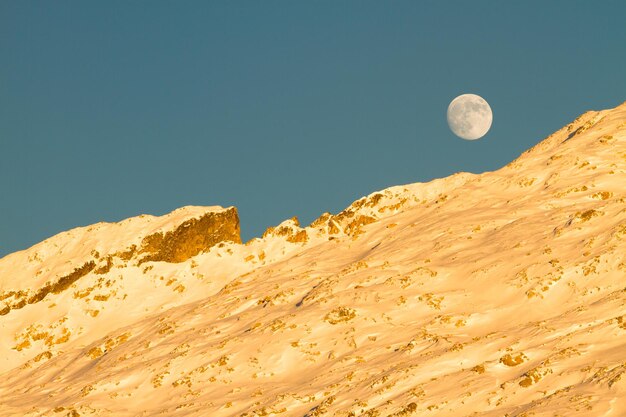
55,264
499,293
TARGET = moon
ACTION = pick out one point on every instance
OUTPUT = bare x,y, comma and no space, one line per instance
469,116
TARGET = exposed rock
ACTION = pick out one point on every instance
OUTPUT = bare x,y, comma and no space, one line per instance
192,237
57,287
354,228
321,221
289,229
299,237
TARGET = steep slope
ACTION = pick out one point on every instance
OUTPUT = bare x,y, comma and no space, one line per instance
474,295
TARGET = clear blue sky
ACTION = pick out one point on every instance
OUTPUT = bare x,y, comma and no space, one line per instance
115,108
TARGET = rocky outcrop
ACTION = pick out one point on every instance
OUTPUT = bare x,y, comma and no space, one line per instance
191,231
192,237
366,210
14,300
289,229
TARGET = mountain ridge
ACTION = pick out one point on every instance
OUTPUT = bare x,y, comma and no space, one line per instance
490,294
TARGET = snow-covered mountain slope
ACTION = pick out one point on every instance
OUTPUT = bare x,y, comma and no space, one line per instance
499,294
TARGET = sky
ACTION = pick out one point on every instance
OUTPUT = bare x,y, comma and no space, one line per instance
287,108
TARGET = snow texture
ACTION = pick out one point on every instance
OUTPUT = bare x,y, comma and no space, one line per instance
499,294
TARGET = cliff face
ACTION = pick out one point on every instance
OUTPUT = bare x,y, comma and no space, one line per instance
192,237
490,294
54,265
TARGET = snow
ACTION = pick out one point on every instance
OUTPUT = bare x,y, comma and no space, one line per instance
495,294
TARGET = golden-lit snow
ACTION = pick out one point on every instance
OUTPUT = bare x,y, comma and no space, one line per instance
499,294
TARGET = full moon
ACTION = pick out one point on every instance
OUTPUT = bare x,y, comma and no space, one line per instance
469,116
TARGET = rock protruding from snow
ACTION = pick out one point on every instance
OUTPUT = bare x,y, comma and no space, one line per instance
52,266
191,237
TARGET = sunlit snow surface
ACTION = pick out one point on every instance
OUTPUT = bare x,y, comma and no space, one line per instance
473,295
